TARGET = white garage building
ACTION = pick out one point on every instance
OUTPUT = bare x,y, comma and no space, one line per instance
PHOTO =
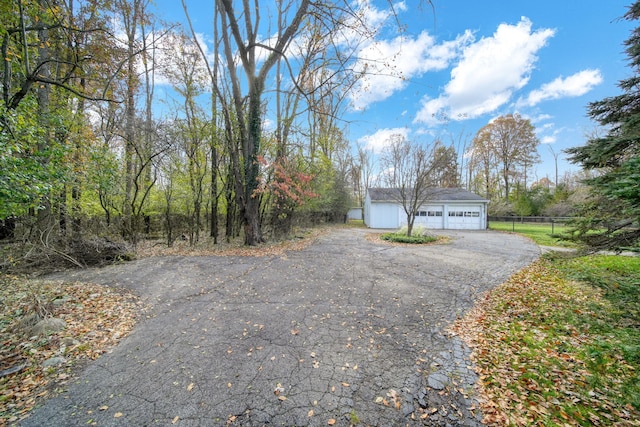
446,209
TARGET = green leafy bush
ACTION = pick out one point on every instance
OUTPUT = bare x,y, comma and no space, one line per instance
419,235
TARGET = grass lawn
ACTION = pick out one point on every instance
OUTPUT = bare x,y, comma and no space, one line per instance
559,343
544,234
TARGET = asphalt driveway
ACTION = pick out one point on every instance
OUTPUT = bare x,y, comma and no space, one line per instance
344,332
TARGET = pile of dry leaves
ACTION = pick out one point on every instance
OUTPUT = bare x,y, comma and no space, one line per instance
90,319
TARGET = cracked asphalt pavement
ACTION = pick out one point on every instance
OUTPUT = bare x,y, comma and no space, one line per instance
345,332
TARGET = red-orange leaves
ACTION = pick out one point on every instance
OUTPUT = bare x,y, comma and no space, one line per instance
289,187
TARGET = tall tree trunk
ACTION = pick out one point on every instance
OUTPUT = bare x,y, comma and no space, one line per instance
130,19
214,132
231,206
76,186
214,191
43,94
252,225
250,130
129,141
505,177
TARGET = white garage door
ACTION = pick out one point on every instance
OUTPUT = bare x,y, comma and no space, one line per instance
464,218
430,217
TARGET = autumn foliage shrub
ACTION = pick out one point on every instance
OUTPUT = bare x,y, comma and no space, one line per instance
288,189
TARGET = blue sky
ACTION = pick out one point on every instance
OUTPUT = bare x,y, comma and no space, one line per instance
471,61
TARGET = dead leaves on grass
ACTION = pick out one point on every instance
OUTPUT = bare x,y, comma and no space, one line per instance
96,318
531,361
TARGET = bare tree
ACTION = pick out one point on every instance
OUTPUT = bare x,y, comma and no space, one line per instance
250,61
407,170
240,41
362,173
186,71
445,173
555,155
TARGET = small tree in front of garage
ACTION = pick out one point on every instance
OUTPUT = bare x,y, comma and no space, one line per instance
408,168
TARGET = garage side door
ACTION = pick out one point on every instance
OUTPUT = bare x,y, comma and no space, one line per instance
464,218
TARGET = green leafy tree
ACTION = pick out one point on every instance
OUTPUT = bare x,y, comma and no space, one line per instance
185,69
531,202
56,56
26,174
611,219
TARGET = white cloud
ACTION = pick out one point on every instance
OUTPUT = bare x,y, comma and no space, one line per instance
379,140
575,85
400,6
268,125
549,138
423,131
389,64
488,73
541,118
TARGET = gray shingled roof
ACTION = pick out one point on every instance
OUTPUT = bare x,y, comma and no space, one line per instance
435,194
